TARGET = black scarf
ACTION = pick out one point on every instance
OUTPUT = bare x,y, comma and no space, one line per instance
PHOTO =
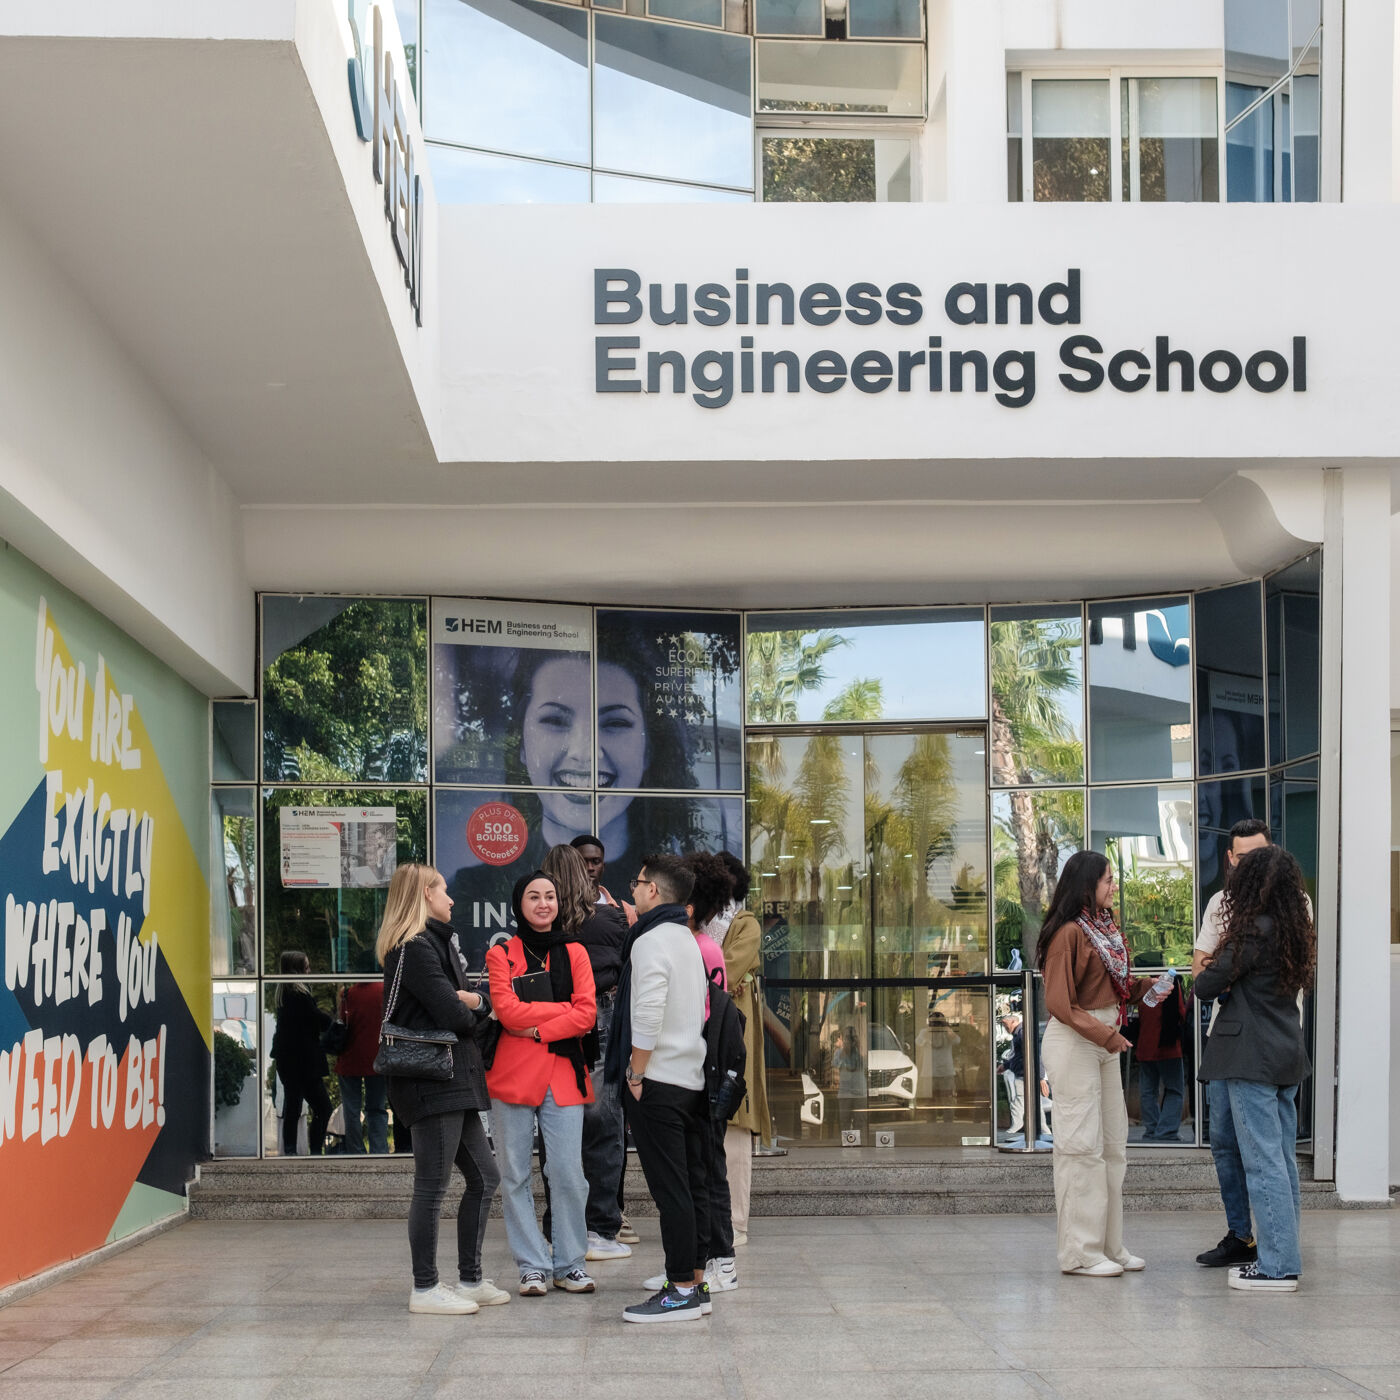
580,1051
620,1041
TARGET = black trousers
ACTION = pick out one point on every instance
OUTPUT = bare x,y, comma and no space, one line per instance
303,1091
439,1141
672,1135
719,1210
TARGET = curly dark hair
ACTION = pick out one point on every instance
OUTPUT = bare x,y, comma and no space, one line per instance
1269,883
713,888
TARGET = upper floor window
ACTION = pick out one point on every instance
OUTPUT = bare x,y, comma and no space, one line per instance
1120,136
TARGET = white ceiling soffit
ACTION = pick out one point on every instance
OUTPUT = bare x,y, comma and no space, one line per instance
189,190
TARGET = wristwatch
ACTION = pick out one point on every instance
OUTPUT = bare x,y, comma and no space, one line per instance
631,1077
537,1036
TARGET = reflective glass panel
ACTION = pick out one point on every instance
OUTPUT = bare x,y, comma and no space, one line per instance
509,75
360,1123
235,741
876,78
484,841
926,831
1070,131
707,12
625,189
672,102
807,17
1147,834
236,1096
345,689
513,694
1249,145
1033,834
1218,807
1160,1069
1016,1108
1230,679
234,912
807,853
299,1091
1139,689
406,12
1293,610
328,856
1307,129
474,177
670,700
1014,176
634,826
1170,140
882,664
836,170
1293,817
885,19
1037,659
1257,40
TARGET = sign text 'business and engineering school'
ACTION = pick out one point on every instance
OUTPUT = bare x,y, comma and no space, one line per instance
623,365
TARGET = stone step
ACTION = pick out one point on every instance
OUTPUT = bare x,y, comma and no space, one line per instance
807,1182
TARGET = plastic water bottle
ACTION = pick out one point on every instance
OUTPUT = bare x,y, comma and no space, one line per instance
1160,988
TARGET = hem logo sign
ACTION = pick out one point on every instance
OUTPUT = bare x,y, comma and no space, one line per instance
381,118
486,626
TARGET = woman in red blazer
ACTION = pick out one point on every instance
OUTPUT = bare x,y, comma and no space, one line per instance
540,1074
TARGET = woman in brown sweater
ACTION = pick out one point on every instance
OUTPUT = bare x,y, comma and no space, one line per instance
1085,963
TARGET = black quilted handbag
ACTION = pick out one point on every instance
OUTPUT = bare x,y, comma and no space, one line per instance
412,1054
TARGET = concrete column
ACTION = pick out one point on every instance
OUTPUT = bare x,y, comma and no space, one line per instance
1356,709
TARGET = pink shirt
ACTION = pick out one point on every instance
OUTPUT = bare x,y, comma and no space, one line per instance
713,959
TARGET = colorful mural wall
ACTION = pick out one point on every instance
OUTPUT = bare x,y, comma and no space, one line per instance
105,1005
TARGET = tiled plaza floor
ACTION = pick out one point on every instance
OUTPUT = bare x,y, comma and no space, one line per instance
922,1307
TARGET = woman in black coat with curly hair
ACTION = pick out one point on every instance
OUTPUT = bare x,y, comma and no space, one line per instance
1264,962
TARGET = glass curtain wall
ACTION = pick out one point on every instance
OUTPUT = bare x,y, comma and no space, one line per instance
657,101
907,785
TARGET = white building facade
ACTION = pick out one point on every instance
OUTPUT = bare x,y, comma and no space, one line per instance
431,383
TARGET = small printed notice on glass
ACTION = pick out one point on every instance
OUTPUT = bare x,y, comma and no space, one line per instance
332,848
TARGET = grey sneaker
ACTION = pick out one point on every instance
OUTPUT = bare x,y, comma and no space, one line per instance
667,1305
600,1247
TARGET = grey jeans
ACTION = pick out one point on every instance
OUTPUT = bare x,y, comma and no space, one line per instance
438,1141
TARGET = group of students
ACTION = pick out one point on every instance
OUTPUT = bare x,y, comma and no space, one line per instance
1255,957
594,1018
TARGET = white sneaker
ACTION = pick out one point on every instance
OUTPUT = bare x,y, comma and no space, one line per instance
441,1299
599,1247
484,1294
1105,1268
721,1275
655,1282
1133,1265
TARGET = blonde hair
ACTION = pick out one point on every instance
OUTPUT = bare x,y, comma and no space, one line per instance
405,909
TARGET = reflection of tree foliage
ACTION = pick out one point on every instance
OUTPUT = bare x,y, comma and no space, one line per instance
1157,909
782,666
240,861
1035,673
818,170
350,702
1073,168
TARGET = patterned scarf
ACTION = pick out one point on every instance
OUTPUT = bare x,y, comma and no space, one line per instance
1108,943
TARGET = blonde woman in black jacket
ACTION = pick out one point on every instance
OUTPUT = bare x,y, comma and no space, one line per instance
1264,962
418,947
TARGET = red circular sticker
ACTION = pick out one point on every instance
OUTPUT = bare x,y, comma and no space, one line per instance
496,833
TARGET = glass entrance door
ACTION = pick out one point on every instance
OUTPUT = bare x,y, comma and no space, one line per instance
869,855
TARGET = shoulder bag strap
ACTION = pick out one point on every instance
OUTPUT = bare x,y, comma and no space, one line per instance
394,991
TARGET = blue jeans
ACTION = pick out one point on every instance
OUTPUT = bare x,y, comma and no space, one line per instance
1266,1126
1229,1168
1161,1123
513,1129
372,1094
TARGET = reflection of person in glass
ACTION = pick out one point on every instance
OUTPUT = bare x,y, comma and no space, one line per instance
850,1083
297,1054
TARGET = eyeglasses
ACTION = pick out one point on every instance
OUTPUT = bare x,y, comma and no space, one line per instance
632,884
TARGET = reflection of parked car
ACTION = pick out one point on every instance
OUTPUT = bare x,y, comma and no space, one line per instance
891,1074
813,1102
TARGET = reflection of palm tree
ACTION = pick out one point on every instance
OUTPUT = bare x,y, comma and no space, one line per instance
1034,669
781,666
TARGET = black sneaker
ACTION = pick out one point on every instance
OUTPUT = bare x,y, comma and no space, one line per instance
1248,1279
1230,1251
666,1305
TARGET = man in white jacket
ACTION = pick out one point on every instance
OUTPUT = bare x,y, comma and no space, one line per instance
660,1026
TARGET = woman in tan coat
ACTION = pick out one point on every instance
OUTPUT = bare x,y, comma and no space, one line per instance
737,932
